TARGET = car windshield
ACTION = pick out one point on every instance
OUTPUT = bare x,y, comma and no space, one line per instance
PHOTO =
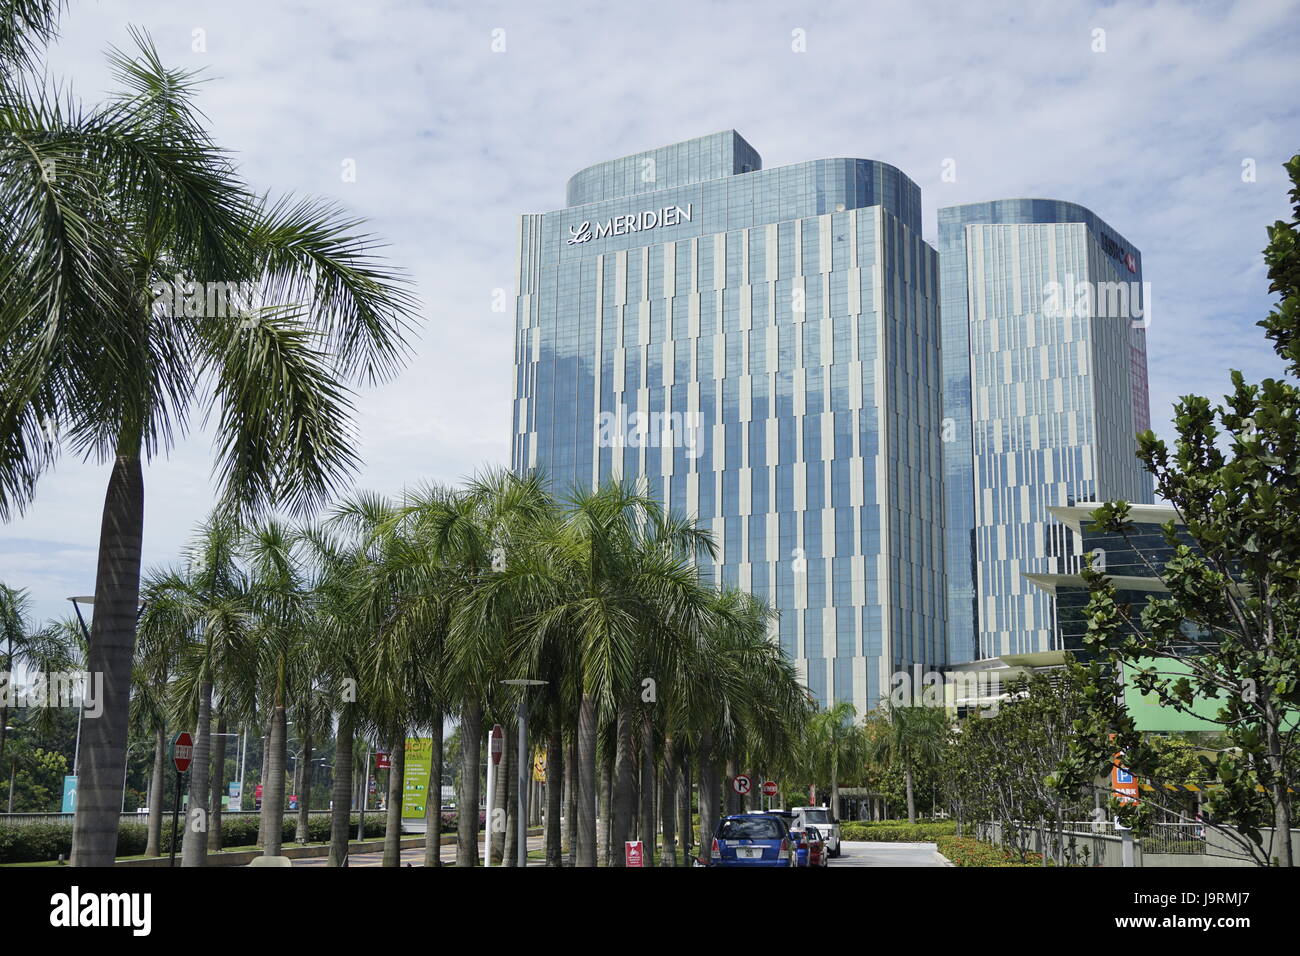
755,828
817,816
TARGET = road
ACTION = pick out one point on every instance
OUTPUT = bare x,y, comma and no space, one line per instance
852,854
886,854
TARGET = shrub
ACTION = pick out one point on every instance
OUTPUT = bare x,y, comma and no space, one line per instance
967,851
38,842
889,832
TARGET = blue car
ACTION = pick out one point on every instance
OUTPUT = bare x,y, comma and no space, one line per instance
752,839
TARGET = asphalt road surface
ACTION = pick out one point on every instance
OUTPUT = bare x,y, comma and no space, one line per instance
851,854
886,854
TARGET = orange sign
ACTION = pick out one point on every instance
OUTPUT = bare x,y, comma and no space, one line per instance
1122,781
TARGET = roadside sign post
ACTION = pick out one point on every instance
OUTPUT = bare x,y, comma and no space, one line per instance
634,853
769,790
741,784
182,755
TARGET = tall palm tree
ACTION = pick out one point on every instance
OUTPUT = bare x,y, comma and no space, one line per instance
914,740
834,742
108,211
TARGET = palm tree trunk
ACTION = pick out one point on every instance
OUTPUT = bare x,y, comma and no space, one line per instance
262,779
571,799
684,802
729,795
911,798
554,796
433,799
216,777
708,794
647,831
340,813
273,787
303,833
467,826
112,648
157,788
606,806
668,802
624,800
393,825
508,793
584,835
194,851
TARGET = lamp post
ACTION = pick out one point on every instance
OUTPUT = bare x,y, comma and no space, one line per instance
521,808
85,632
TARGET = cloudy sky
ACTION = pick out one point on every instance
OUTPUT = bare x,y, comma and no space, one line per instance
461,116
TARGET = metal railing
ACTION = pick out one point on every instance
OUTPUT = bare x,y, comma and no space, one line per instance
1186,839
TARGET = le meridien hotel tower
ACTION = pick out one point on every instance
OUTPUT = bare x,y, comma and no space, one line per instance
1045,387
758,349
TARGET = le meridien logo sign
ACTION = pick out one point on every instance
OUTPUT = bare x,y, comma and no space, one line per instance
642,221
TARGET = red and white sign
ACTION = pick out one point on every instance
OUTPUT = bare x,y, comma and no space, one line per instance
383,761
634,853
258,792
496,741
769,788
183,751
741,784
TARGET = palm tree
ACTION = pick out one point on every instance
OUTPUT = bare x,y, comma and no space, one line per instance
833,741
109,210
914,741
40,650
201,615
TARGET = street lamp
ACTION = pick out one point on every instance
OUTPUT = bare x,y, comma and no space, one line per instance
521,808
85,631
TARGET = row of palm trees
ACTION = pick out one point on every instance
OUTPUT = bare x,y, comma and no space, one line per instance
387,618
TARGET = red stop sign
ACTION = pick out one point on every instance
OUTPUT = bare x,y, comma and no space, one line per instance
769,788
495,747
182,751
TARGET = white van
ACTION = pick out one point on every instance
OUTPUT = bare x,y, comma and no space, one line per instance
820,817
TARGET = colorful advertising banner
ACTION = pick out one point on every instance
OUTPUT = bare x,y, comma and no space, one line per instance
415,777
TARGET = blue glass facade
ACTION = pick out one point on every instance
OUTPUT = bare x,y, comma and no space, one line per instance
1045,386
760,349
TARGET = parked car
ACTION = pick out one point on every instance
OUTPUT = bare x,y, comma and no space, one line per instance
752,839
819,817
810,847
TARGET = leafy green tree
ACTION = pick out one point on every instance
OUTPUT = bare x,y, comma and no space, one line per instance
1231,617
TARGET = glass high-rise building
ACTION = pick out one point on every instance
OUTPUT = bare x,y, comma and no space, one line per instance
1045,386
759,349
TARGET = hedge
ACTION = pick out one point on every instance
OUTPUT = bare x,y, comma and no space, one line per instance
889,832
967,851
37,842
